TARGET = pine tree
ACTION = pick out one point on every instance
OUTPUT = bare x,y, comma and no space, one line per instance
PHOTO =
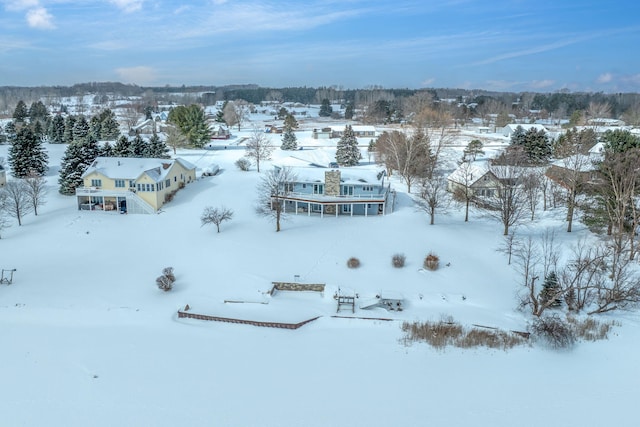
550,292
109,127
81,129
56,135
21,113
122,148
106,150
77,158
10,131
289,140
348,111
38,111
348,152
27,155
325,108
95,127
139,147
157,148
69,123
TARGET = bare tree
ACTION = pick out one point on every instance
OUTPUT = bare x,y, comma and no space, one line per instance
273,189
131,115
433,195
259,147
464,178
216,216
571,149
508,205
436,126
16,199
175,138
619,190
4,221
408,155
36,189
532,189
230,114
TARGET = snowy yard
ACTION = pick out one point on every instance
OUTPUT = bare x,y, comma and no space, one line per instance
88,339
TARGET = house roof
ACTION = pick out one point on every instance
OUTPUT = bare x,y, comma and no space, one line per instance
134,167
352,175
526,126
469,173
356,128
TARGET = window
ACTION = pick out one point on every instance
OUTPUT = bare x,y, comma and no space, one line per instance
288,187
119,183
132,184
318,188
367,188
304,185
96,183
167,183
347,190
346,208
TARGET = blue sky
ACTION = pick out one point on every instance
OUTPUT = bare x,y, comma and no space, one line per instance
580,45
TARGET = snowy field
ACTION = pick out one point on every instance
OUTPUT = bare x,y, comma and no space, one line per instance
88,339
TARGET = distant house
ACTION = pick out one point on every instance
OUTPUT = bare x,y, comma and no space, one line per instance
145,127
360,131
335,192
220,132
476,177
133,185
273,129
579,170
509,129
324,133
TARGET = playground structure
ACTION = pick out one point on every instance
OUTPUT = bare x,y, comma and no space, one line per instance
6,276
345,299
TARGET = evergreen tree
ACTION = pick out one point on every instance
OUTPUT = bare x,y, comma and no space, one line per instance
106,150
95,127
77,158
349,111
192,123
289,139
535,144
473,150
348,152
157,148
69,123
109,127
550,292
21,113
139,147
27,155
38,130
122,148
290,121
81,129
56,135
3,135
10,131
325,108
38,111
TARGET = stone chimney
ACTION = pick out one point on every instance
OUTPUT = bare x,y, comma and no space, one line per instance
332,183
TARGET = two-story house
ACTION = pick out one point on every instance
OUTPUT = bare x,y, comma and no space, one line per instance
133,185
336,192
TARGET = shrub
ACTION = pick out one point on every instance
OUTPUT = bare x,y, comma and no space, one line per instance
558,333
431,261
243,164
590,329
398,260
353,262
165,282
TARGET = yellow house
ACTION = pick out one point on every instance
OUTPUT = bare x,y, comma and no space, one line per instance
133,185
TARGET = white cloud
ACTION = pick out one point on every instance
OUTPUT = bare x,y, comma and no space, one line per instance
18,5
428,82
140,75
127,6
605,78
39,18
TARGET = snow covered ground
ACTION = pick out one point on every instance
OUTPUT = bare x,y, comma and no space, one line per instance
88,339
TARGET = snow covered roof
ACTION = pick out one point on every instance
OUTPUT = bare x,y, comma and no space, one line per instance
468,173
356,128
134,167
352,175
526,126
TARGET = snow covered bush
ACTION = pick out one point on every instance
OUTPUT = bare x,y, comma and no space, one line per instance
165,282
554,330
243,164
431,262
353,262
398,260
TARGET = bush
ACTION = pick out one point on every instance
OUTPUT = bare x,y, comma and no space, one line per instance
243,164
353,262
590,329
431,261
165,282
558,333
398,260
